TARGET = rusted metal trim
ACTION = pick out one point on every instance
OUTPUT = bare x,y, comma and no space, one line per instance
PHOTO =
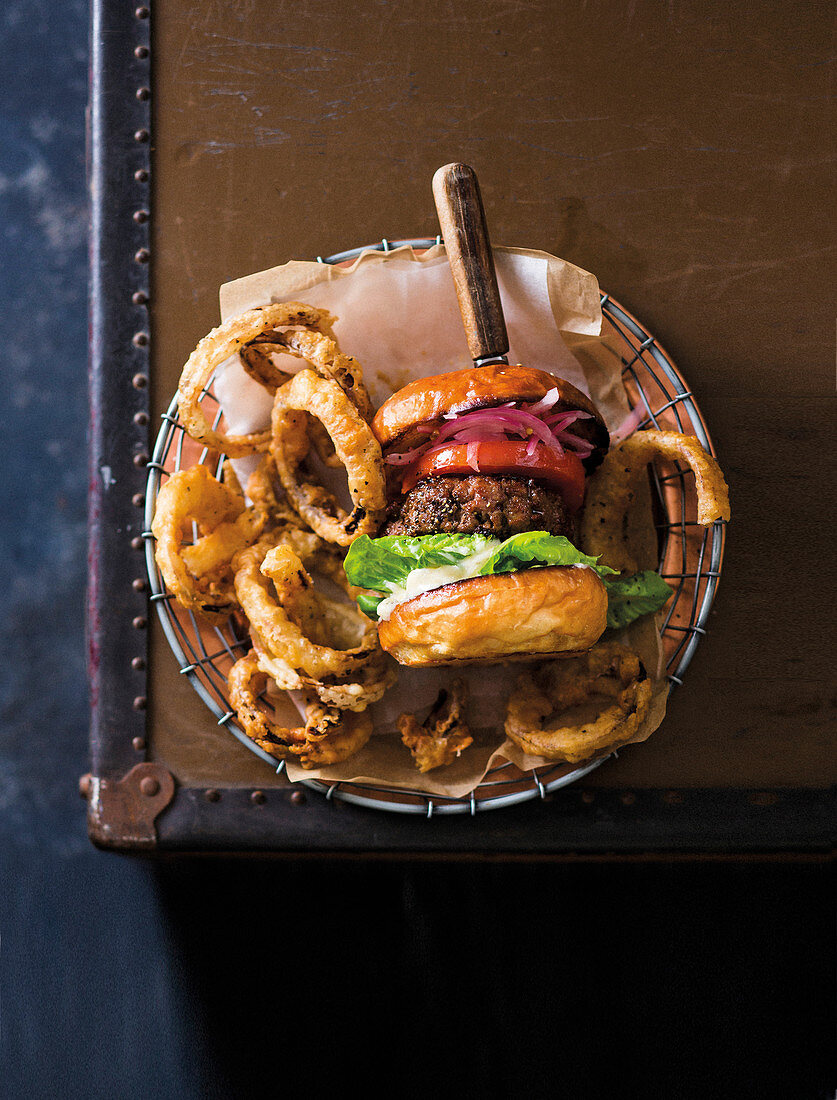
121,813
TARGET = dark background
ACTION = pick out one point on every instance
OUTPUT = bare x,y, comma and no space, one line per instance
193,978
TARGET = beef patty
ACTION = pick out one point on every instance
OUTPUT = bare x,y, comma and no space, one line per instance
479,505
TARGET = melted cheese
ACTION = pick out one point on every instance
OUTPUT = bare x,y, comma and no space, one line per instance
425,580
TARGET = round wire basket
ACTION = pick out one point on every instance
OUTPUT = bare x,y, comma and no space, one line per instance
690,559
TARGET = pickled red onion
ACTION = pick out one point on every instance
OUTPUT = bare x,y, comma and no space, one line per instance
499,423
546,402
558,421
577,442
629,425
406,457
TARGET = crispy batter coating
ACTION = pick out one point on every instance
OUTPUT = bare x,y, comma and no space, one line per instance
328,736
443,735
276,593
354,444
295,629
253,561
608,670
200,575
257,361
612,490
320,351
220,344
355,690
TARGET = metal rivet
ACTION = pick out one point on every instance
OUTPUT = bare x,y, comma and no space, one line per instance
149,786
136,543
139,298
140,339
142,256
138,663
141,52
139,744
141,135
140,417
141,175
139,585
141,216
257,798
212,795
139,702
298,798
143,93
139,381
141,459
139,622
587,796
142,13
137,500
627,798
84,785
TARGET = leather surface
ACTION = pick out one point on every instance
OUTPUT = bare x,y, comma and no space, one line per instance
675,153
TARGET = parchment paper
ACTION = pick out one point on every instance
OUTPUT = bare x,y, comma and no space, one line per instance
397,313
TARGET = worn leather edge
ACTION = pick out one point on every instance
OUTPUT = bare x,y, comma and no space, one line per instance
119,141
571,822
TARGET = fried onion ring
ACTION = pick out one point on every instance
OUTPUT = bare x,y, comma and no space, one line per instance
323,443
322,353
355,691
608,669
329,736
612,490
220,344
352,638
354,444
268,497
256,359
200,575
323,620
442,736
212,554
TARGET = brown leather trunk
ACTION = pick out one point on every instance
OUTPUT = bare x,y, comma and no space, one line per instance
679,159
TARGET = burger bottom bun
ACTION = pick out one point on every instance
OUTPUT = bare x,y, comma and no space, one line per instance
556,611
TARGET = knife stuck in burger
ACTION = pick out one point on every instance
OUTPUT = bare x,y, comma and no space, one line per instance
487,471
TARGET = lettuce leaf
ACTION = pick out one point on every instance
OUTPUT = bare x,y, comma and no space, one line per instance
630,598
537,548
382,565
368,603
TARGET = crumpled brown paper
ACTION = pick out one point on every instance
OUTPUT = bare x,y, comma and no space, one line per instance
397,314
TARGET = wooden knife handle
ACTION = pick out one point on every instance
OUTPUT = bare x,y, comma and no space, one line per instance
462,220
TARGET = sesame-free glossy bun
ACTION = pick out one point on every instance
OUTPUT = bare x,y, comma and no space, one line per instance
427,399
555,611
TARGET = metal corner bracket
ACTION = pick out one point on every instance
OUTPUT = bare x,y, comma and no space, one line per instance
121,812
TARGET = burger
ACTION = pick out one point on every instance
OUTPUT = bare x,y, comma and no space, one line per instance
476,560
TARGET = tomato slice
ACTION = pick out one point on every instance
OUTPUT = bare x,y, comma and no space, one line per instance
564,471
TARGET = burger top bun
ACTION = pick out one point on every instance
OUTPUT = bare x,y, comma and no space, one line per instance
549,612
427,399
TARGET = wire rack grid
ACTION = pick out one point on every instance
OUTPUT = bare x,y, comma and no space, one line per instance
690,560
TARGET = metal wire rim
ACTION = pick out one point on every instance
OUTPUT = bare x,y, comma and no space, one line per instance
648,357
